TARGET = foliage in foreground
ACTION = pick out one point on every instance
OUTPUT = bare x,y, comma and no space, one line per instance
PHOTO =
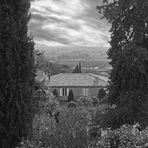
70,131
124,137
55,126
17,72
128,88
84,101
44,101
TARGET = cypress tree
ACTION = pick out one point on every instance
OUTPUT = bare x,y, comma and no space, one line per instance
78,68
128,53
16,72
70,96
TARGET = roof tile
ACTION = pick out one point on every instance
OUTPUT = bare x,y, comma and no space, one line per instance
78,79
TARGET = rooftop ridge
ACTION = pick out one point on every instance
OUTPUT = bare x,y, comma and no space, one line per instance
77,79
97,76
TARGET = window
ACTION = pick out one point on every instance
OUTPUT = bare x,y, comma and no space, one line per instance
85,91
65,92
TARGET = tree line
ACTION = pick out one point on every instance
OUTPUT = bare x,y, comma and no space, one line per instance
16,72
128,52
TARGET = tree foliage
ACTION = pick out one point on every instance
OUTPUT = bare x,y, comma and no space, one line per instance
16,72
101,94
72,104
128,87
42,63
55,93
70,96
78,68
95,101
69,132
126,136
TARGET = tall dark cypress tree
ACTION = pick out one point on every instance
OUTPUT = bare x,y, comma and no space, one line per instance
78,68
128,87
16,72
70,96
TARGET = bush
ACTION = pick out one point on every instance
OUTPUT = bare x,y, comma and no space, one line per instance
130,110
94,131
55,93
95,101
71,131
126,136
84,101
43,126
101,94
29,144
70,96
81,100
98,117
72,104
44,102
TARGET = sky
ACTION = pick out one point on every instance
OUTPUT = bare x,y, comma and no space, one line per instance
71,23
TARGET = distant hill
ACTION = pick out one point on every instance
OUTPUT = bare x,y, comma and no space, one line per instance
89,56
76,52
50,67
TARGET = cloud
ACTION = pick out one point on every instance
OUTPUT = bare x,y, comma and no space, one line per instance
67,23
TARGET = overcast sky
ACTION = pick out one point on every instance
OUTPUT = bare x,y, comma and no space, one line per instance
68,23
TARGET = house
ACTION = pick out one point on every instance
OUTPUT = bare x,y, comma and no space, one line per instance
82,84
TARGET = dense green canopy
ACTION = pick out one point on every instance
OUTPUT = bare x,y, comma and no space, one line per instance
16,72
128,87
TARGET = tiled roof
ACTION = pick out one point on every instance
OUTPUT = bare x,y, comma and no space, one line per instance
78,79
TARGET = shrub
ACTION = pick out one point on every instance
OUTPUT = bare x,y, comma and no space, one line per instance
29,144
71,131
44,101
94,131
98,117
84,101
101,94
40,96
131,109
95,101
55,93
43,126
126,136
72,104
70,96
81,100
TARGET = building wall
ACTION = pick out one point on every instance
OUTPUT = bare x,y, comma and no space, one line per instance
93,91
78,92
